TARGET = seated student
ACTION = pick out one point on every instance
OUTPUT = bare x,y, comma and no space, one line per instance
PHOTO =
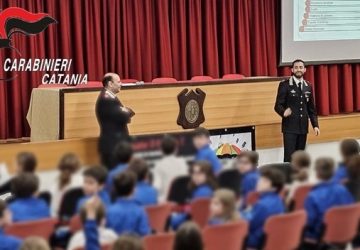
106,236
247,163
94,180
324,195
25,163
202,185
353,182
300,164
348,148
201,140
269,185
69,177
144,194
126,215
34,243
223,207
188,237
169,167
122,154
91,230
7,242
27,206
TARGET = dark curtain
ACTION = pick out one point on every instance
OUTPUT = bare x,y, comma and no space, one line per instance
144,39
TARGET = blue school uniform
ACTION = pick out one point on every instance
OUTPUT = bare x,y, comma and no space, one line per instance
248,183
207,154
341,173
127,216
25,209
91,232
103,195
145,194
269,204
114,172
8,242
322,197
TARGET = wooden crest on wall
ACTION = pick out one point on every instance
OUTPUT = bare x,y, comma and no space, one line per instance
191,103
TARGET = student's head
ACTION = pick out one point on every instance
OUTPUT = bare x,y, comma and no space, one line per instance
188,237
168,145
300,159
223,205
124,183
68,165
298,68
100,215
201,137
324,168
201,173
34,243
354,167
123,152
25,185
140,168
26,162
271,179
5,214
112,82
128,242
349,148
94,179
247,161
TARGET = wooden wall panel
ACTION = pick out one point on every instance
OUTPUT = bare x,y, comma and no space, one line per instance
226,105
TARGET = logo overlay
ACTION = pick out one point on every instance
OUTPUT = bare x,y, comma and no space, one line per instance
17,20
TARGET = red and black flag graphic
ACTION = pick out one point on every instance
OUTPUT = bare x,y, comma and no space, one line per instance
14,19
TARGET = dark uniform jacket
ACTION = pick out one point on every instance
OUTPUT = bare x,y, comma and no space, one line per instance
301,103
112,120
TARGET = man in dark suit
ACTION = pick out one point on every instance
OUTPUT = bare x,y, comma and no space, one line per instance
295,104
113,118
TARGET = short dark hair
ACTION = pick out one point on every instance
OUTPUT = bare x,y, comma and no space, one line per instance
24,185
324,168
349,148
128,242
252,156
27,161
168,144
98,173
188,237
100,214
3,207
354,167
200,131
276,177
124,183
123,152
296,61
106,79
302,158
139,167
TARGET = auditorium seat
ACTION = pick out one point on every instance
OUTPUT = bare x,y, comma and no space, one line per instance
341,224
159,242
199,211
75,223
41,228
300,196
228,236
158,215
230,179
69,203
129,80
164,80
289,225
233,77
201,78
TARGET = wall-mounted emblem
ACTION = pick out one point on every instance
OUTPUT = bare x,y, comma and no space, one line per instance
191,103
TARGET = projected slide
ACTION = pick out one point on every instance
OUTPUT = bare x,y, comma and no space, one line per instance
316,20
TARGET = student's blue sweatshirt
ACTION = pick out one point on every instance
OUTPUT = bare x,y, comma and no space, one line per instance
145,194
207,154
341,173
8,242
103,195
112,174
26,209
